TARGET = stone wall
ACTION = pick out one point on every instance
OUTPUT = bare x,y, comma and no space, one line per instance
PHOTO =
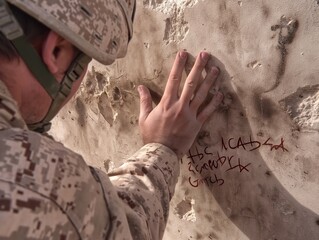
253,171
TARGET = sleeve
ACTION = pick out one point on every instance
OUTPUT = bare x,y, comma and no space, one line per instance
48,190
26,214
143,188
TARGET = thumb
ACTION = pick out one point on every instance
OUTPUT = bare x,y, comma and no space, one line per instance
145,102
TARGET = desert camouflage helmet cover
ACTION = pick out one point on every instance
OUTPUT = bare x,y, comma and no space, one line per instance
99,28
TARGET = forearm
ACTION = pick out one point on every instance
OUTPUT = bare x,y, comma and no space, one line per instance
146,184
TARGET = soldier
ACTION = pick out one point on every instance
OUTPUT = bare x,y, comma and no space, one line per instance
46,190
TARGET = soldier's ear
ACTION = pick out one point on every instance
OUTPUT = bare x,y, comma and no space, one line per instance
57,54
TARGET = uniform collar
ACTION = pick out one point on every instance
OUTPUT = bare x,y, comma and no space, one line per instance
10,116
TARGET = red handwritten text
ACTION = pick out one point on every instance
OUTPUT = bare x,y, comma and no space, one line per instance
251,145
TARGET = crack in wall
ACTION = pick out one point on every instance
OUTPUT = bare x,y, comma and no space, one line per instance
303,107
176,28
287,31
168,6
185,210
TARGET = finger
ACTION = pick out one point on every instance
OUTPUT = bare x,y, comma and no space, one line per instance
210,108
145,103
194,77
156,97
204,88
174,79
217,83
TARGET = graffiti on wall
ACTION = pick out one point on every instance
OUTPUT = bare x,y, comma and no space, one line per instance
208,162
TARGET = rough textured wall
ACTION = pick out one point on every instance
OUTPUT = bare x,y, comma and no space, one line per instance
253,170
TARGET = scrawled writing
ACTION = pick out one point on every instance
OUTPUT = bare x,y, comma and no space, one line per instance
251,145
209,163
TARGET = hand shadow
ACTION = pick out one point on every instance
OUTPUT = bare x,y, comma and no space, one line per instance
225,161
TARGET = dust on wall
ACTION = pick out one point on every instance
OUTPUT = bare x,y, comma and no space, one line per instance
252,172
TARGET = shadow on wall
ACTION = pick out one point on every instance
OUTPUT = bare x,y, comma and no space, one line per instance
251,196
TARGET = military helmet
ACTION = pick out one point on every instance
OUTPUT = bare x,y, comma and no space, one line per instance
99,28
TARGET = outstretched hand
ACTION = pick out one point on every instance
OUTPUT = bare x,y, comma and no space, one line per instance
176,120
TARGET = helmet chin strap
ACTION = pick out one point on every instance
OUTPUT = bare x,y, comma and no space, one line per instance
58,92
75,70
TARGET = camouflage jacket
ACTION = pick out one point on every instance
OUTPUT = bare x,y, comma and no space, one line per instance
48,192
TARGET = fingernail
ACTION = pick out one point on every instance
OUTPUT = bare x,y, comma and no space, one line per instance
204,56
215,70
140,89
183,54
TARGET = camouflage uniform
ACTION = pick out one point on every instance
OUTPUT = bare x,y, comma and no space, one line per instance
48,191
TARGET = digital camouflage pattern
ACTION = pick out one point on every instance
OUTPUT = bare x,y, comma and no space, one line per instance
48,192
99,28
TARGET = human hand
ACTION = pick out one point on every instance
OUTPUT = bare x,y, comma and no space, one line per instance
176,120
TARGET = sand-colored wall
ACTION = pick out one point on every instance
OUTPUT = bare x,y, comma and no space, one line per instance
253,172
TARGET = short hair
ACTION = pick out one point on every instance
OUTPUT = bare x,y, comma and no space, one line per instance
32,29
